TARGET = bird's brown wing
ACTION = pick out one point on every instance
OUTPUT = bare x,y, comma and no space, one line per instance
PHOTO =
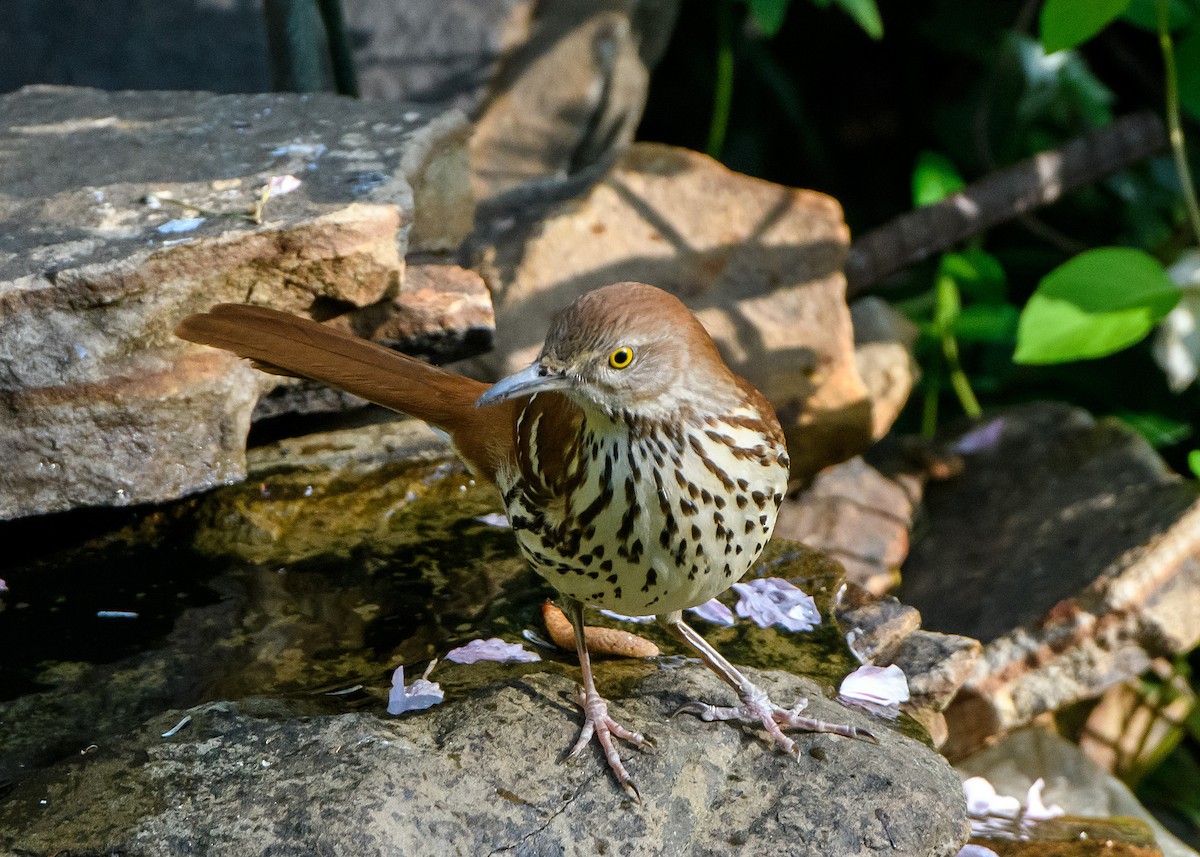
285,344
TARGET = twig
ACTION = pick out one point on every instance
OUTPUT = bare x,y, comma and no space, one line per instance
1173,121
723,86
1001,196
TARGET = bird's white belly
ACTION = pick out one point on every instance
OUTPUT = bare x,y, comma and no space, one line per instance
652,529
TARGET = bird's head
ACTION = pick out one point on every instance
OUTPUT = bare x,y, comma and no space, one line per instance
627,348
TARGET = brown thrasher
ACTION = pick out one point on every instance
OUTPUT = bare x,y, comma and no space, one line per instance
638,472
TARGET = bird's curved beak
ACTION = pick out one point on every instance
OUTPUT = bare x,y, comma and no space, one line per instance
533,379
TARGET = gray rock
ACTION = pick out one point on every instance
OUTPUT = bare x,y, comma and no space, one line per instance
218,45
343,555
443,313
571,94
99,403
433,51
1072,781
876,624
1067,546
556,85
481,774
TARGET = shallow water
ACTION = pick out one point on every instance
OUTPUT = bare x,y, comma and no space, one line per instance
341,557
1066,836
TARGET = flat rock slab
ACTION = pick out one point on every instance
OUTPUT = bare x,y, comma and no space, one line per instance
1068,547
99,403
481,774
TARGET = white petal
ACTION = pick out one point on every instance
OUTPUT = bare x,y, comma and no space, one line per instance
493,649
279,185
713,611
882,685
1035,808
180,224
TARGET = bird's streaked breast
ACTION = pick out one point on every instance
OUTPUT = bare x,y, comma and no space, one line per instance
649,516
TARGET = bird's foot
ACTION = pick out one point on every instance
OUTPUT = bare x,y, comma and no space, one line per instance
597,722
757,707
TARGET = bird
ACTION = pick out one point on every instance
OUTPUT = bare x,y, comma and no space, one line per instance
638,472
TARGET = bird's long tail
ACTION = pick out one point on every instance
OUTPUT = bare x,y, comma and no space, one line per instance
285,344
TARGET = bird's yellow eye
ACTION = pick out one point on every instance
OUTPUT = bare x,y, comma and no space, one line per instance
621,358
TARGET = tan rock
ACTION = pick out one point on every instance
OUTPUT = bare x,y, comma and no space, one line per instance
759,263
443,310
858,516
883,351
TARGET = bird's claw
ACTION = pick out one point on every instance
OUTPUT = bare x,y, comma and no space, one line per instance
708,713
757,707
598,723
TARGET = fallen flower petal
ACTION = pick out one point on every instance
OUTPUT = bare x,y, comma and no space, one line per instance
976,851
493,649
3,585
495,519
418,696
535,638
980,439
279,185
713,611
769,601
982,800
187,718
302,150
884,685
180,224
1034,807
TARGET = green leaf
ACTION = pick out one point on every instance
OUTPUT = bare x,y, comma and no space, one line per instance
978,273
1156,428
1194,462
866,14
1144,14
934,178
768,15
1093,305
1187,72
1067,23
987,323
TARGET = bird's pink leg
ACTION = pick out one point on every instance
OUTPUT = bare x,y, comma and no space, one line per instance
756,706
596,720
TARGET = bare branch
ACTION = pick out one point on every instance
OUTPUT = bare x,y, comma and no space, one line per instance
1001,196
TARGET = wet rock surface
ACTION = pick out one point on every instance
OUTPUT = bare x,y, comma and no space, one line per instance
481,774
342,556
